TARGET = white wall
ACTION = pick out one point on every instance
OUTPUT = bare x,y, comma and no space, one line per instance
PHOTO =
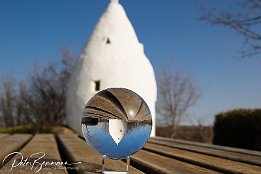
122,63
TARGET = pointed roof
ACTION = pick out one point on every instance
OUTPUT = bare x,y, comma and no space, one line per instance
115,1
114,29
115,58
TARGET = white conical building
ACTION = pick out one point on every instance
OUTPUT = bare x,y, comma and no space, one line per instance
117,129
112,58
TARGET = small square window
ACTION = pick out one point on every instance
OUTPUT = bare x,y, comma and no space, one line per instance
97,85
108,41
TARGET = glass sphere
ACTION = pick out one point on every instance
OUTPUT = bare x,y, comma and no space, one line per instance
116,122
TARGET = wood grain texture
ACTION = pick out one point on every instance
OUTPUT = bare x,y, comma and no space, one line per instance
155,163
210,146
159,155
77,150
3,135
117,103
235,156
45,143
11,144
210,162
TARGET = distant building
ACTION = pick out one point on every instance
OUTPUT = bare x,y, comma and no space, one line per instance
113,57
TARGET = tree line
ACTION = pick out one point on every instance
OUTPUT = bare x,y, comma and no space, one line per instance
40,99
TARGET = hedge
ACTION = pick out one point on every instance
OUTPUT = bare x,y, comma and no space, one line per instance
239,128
17,129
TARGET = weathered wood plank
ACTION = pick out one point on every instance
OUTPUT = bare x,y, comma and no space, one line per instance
235,156
11,144
41,151
3,135
230,149
155,163
210,162
77,150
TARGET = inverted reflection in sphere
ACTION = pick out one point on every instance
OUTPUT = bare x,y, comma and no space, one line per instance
116,122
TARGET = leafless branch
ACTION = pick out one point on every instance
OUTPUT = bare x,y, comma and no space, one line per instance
176,94
41,99
246,22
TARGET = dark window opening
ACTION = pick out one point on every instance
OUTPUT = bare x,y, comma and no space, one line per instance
97,85
108,41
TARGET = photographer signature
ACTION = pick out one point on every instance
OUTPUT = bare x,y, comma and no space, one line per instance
35,161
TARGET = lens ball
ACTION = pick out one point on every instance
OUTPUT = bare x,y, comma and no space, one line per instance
116,122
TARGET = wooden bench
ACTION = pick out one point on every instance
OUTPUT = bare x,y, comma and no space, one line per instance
159,155
40,150
12,143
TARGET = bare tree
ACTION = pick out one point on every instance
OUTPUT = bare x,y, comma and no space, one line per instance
40,101
13,108
246,21
23,115
176,94
8,102
46,92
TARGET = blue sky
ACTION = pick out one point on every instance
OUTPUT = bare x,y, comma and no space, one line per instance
34,31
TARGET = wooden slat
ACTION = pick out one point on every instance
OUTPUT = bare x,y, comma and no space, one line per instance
155,163
3,135
214,163
77,150
44,143
235,156
11,144
230,149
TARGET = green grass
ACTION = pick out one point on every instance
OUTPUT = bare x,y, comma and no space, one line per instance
39,129
17,129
